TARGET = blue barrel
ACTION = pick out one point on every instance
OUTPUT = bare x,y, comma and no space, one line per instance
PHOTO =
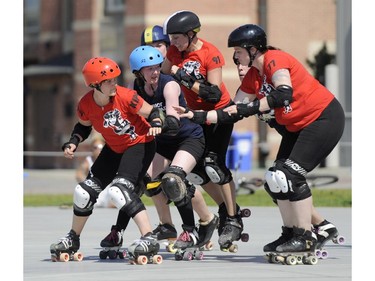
240,152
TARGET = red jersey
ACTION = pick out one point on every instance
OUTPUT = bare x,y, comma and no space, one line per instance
118,121
197,64
310,97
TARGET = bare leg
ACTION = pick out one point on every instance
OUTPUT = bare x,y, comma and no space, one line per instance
79,223
163,210
200,206
143,222
214,191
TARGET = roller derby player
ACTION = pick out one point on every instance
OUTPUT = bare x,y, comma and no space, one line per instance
128,136
277,81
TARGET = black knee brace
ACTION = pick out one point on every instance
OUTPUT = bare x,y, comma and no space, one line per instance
295,174
124,197
190,190
173,184
216,169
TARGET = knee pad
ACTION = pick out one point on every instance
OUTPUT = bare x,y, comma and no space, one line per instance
85,195
286,180
190,190
296,175
198,175
121,193
173,183
275,196
216,169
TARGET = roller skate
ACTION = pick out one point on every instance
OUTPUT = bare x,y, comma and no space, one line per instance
66,249
144,250
168,233
325,232
223,214
298,250
111,244
186,245
205,232
286,235
233,231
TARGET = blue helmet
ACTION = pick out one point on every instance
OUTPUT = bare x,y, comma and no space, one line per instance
143,56
153,34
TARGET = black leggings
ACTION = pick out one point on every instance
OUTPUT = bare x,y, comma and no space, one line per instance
310,146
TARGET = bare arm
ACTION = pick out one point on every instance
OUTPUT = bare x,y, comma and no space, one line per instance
171,93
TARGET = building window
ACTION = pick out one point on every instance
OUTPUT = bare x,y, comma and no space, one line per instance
114,7
31,16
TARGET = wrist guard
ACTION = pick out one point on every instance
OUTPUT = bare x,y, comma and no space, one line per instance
200,117
209,92
184,79
248,109
74,140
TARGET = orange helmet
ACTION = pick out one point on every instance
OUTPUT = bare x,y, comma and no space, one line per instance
98,69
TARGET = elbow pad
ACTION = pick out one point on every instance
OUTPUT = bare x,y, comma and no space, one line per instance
224,117
155,114
82,131
209,92
282,96
171,126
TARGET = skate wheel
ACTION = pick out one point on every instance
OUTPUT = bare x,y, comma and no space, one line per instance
311,260
157,259
170,248
103,255
198,255
339,240
125,253
178,256
233,248
64,257
121,255
142,260
300,259
278,259
321,254
244,237
245,213
188,256
291,260
112,254
78,256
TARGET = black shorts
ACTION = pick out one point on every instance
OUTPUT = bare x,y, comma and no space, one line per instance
191,145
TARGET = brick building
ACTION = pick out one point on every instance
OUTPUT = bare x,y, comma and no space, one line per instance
61,35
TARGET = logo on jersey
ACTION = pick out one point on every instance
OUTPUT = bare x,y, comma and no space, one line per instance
121,126
266,88
192,68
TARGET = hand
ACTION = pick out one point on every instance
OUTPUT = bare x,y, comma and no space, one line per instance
69,150
231,109
156,127
154,131
184,112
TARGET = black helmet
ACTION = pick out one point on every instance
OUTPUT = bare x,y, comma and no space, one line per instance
181,22
248,35
152,34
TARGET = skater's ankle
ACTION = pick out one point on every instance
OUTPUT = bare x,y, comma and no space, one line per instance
206,222
73,233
